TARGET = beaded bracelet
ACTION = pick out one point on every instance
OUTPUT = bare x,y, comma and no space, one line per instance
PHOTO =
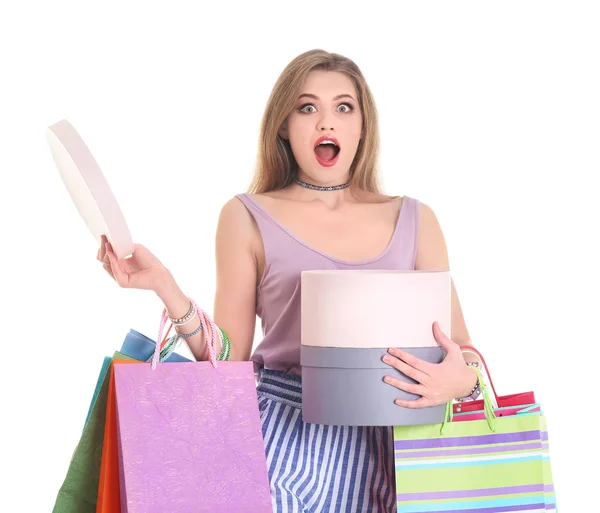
225,350
188,335
205,323
191,313
476,389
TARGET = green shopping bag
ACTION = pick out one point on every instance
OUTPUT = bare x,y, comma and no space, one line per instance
493,465
79,491
101,377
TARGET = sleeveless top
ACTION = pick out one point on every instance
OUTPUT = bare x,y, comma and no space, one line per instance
286,256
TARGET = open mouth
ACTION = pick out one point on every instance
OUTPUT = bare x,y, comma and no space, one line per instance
327,151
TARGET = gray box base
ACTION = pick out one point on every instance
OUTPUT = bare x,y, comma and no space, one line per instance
344,387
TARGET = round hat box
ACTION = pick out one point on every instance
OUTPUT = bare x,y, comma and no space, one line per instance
349,320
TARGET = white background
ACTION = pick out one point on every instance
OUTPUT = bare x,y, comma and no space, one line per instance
489,113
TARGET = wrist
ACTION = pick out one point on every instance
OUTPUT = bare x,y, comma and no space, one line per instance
166,288
471,380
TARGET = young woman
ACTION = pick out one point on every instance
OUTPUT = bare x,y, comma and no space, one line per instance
314,203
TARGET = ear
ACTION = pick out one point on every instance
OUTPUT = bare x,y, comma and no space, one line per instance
283,132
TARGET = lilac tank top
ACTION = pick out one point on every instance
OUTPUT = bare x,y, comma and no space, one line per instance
286,256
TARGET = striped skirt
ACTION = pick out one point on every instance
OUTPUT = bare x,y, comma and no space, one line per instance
320,468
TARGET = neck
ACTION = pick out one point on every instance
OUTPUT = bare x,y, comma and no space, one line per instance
332,199
308,184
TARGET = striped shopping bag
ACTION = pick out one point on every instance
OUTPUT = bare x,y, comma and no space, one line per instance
492,465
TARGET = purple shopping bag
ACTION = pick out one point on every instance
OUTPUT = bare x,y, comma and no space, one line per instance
190,437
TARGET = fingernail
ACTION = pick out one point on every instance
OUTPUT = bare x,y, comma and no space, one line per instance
392,350
387,358
387,379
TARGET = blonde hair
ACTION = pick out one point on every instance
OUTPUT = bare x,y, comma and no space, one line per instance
276,166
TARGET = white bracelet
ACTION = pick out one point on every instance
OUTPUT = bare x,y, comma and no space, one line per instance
186,319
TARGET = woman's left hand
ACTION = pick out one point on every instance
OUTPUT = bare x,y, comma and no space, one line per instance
437,383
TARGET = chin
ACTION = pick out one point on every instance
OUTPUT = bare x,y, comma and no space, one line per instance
333,175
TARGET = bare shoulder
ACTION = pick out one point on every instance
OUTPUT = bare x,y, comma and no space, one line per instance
432,253
236,229
427,215
235,219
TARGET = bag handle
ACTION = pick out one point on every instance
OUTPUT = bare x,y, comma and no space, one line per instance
488,407
471,349
211,334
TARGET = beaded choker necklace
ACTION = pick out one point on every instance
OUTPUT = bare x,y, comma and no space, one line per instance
322,187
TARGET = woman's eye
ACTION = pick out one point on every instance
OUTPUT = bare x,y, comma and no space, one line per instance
309,108
305,108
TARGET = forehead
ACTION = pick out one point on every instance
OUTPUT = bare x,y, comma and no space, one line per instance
327,84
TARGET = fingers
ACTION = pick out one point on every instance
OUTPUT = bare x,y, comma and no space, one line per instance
404,368
410,360
101,255
110,263
411,388
414,403
443,340
108,269
119,275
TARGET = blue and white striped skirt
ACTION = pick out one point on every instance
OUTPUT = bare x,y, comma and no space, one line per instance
320,468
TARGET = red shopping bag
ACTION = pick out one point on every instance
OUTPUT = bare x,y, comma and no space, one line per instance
504,401
109,488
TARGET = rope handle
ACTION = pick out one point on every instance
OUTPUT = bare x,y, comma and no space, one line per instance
488,407
211,334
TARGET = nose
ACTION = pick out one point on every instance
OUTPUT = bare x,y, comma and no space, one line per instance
325,122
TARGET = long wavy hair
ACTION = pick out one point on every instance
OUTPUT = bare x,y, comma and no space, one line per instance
276,165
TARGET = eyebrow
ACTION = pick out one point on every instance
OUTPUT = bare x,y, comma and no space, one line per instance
314,97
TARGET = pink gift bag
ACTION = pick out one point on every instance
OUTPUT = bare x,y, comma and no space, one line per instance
190,437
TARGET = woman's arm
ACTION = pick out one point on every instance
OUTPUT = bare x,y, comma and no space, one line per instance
235,298
432,255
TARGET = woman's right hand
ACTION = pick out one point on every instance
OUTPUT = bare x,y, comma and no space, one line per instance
140,271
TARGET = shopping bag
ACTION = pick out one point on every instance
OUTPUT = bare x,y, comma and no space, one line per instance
109,482
189,435
100,380
79,490
497,464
